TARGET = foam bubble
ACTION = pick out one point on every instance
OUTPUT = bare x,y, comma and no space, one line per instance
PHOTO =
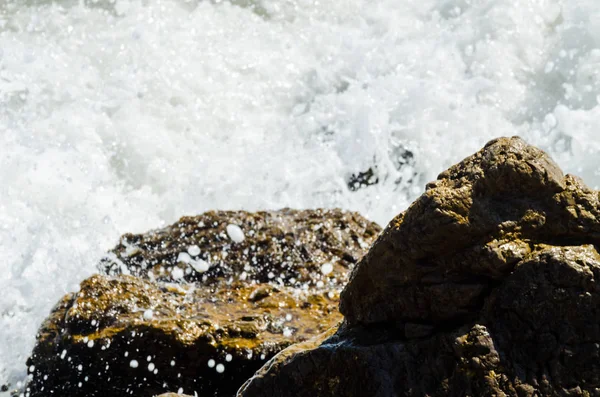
193,250
235,233
326,268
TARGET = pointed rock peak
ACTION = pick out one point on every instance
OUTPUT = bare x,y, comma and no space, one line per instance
435,263
505,165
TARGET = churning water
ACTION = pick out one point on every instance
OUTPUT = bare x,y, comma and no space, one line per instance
122,115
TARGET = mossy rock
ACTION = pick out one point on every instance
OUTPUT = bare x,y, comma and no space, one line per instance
144,328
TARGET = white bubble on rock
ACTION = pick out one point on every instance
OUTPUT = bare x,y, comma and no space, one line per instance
235,233
184,257
200,265
220,368
211,363
134,364
326,268
148,314
193,250
177,273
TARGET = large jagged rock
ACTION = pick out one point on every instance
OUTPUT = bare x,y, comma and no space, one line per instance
200,305
487,285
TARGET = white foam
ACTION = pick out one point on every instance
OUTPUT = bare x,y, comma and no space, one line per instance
235,233
326,268
177,273
122,118
148,314
200,265
193,250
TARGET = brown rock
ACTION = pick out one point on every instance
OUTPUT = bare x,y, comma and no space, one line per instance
485,286
165,325
285,247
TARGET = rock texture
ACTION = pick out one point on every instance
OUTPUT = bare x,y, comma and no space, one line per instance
487,285
200,305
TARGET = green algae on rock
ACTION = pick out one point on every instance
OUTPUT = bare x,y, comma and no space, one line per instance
487,285
158,329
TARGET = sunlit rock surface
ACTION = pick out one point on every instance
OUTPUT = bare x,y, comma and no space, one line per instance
486,286
200,305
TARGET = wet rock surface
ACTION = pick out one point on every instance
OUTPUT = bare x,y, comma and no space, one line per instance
286,247
200,305
487,285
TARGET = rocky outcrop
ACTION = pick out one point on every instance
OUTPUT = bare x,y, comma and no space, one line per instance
487,285
199,306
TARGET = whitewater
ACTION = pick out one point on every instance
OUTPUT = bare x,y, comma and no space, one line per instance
121,116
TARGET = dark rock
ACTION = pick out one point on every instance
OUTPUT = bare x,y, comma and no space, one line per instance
164,325
363,179
485,286
400,157
285,247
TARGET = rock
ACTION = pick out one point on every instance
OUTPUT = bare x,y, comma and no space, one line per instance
485,286
153,323
399,157
286,247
